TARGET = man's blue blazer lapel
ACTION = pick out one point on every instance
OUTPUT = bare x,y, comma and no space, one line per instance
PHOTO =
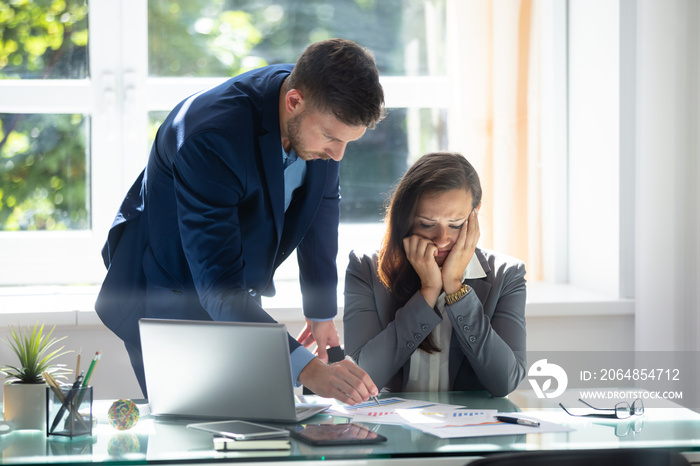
271,153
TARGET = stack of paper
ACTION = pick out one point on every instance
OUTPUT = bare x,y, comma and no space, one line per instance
438,419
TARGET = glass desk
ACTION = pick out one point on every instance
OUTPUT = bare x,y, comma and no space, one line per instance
151,441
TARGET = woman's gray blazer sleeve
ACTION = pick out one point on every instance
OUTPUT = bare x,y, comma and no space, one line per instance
491,334
379,345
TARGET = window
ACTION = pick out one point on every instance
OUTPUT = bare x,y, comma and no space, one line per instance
226,38
44,172
407,38
75,114
76,131
45,127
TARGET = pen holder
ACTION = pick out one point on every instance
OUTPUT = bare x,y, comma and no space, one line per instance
69,411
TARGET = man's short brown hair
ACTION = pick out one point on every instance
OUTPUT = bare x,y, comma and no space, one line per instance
338,76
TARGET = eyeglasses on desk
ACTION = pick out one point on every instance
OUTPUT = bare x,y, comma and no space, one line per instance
622,410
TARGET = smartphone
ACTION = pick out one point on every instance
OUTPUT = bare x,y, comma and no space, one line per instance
240,430
335,434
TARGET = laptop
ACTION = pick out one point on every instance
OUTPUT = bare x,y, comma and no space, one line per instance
220,370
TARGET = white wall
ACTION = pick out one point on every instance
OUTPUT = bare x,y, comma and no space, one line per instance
667,173
634,165
668,199
594,145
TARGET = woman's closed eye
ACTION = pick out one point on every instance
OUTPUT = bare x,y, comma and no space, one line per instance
427,226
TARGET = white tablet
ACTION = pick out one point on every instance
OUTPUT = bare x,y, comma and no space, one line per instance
240,430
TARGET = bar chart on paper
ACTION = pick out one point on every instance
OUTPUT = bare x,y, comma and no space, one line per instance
438,419
469,414
392,411
372,404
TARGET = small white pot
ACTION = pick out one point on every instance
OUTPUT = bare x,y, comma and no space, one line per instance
24,405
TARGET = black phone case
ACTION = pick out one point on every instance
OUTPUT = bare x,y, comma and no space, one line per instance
298,433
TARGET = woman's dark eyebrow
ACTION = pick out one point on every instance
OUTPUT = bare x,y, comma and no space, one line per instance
462,219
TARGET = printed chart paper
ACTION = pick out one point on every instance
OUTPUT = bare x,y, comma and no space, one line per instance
455,426
388,412
438,419
425,414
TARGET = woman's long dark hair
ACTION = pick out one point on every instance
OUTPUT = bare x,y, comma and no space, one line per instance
433,173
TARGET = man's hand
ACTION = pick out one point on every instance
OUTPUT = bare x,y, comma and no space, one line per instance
343,380
324,334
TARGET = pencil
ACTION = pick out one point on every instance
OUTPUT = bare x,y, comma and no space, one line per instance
88,376
77,363
54,385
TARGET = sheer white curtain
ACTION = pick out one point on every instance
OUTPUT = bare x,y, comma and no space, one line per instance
667,171
495,120
667,227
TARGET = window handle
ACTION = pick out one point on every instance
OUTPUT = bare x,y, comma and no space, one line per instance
109,97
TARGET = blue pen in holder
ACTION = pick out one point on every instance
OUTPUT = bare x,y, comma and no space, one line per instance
69,411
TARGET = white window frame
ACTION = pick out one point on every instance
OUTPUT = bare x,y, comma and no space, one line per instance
119,95
72,257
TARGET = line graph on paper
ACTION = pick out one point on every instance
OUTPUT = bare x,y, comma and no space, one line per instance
372,404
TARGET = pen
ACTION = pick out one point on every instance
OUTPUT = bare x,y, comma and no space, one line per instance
517,420
59,394
67,401
374,398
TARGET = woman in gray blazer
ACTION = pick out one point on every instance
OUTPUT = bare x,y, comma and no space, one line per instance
430,311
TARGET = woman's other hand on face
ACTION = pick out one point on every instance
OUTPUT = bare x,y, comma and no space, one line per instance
421,252
460,254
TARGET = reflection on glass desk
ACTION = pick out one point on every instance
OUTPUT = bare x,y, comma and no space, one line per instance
159,441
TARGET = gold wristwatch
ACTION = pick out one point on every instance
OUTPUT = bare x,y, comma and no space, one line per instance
457,295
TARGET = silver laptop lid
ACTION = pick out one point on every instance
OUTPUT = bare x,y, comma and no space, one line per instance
218,370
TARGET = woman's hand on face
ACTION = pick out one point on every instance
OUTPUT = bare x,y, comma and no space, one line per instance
460,254
421,252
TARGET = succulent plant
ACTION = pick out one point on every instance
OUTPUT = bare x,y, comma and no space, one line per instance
33,349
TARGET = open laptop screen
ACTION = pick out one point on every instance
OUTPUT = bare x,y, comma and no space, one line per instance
218,370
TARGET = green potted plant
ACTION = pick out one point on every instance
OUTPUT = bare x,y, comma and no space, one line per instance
24,393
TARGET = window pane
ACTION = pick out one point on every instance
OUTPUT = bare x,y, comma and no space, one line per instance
373,164
44,39
225,38
43,172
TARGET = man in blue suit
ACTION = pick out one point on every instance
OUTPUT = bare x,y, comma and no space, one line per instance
238,177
